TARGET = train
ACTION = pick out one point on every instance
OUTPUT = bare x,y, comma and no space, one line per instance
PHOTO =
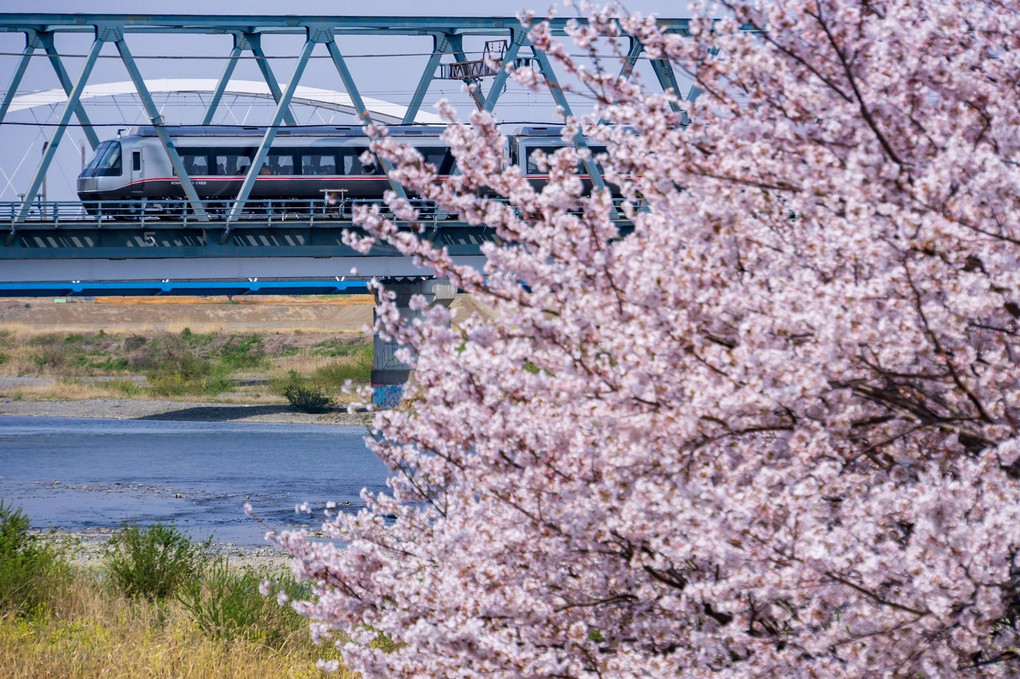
303,163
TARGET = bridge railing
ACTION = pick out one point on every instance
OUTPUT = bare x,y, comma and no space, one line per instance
146,210
141,212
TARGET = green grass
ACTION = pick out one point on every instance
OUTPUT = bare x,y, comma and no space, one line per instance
337,348
332,377
197,339
105,362
153,562
159,605
226,604
242,353
29,570
178,385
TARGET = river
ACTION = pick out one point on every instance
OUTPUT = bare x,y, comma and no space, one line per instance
86,474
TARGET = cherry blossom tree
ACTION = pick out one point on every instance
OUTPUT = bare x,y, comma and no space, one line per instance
769,428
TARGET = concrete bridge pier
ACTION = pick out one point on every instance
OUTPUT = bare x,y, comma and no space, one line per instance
389,375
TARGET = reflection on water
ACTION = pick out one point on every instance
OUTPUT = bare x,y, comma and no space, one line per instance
81,474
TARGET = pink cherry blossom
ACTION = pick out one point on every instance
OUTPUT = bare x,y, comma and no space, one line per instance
771,429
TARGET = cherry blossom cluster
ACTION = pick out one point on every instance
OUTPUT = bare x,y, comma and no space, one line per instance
757,418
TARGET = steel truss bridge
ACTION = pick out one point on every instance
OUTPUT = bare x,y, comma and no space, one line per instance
243,245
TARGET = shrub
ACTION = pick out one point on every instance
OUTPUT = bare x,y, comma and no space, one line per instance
55,356
240,353
28,570
226,604
308,399
153,562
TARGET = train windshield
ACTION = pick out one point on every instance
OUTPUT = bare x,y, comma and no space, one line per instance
106,162
596,152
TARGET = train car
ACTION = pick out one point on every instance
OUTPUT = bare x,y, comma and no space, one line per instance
524,141
302,163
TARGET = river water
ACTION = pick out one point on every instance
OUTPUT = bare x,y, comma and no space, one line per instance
88,474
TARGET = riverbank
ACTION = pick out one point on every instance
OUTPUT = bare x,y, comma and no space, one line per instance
183,411
86,549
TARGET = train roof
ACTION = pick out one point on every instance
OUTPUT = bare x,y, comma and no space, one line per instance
285,131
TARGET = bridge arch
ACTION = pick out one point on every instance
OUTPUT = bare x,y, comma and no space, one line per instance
380,110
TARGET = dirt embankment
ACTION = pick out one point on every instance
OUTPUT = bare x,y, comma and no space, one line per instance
289,314
141,315
46,382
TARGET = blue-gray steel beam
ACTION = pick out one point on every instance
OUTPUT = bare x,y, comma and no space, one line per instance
221,86
31,42
65,82
255,44
633,52
519,37
440,46
51,149
457,44
157,123
667,79
359,106
561,100
289,24
260,156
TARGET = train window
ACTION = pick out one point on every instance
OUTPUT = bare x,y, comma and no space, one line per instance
532,165
365,168
106,162
195,164
549,150
349,163
231,164
136,161
318,163
440,158
280,163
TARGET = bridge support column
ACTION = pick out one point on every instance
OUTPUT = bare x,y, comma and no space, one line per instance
389,375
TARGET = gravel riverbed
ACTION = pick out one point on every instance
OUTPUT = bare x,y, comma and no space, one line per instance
87,550
129,409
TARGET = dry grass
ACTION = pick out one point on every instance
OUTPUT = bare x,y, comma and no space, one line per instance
248,368
89,632
27,330
72,390
263,300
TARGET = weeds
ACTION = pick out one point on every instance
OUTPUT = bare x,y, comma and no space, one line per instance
242,353
29,571
186,364
338,347
153,562
227,604
332,377
217,625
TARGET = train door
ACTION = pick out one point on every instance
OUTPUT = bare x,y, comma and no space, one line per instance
137,174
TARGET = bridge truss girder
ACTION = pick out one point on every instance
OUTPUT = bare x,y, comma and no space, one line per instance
447,33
